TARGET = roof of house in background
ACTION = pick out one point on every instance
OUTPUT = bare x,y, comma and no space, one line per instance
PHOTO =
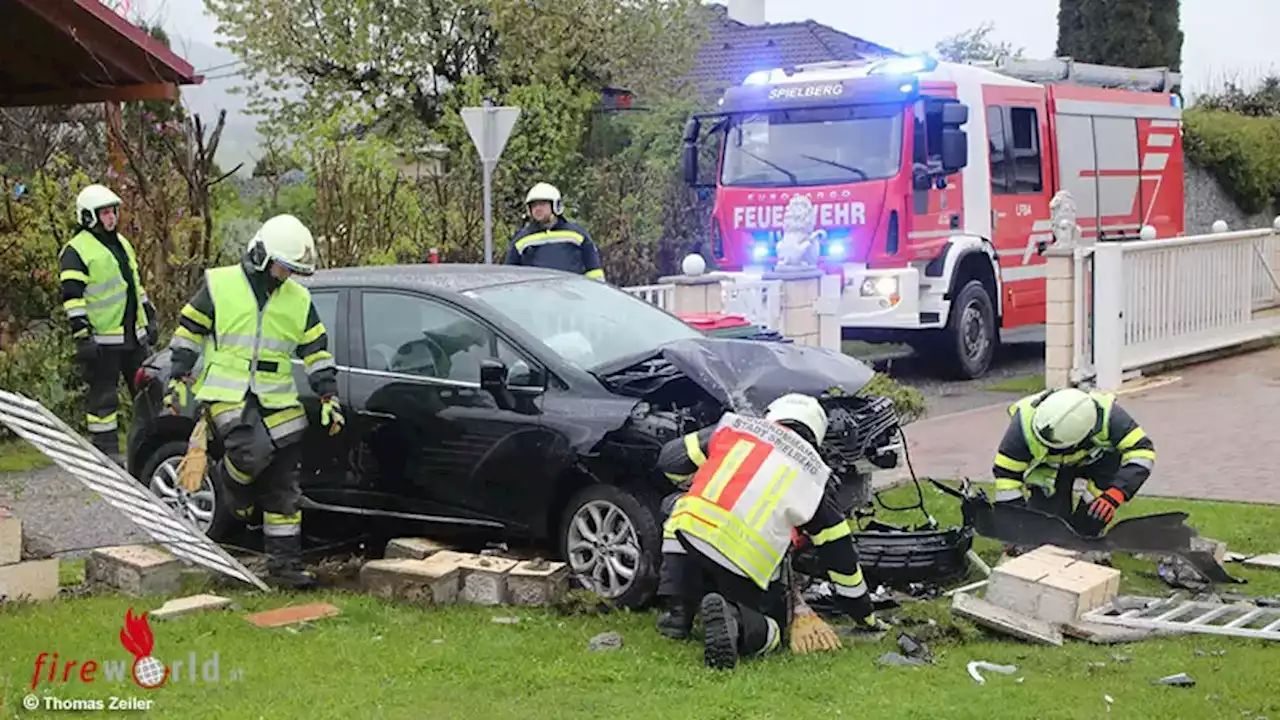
734,50
67,52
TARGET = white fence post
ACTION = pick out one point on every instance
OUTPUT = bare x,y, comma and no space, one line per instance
1108,315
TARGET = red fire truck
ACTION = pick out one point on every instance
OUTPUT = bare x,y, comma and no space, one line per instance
932,183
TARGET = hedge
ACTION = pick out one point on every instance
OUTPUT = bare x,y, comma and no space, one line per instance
1241,153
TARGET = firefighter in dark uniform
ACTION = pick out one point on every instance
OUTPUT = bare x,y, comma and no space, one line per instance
112,320
551,241
1059,435
752,483
256,319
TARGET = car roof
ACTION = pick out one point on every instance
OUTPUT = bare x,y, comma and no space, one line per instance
446,277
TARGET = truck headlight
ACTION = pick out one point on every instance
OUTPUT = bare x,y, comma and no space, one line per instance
879,287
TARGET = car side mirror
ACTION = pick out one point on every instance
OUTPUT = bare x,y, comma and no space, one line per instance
493,375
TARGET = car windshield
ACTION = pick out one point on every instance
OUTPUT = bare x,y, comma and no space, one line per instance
586,322
813,146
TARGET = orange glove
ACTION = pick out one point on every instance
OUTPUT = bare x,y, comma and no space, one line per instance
1104,507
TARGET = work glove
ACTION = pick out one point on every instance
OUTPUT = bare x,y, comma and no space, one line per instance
86,350
1103,509
810,633
179,395
331,414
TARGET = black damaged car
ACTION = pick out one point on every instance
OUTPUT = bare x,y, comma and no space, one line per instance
519,404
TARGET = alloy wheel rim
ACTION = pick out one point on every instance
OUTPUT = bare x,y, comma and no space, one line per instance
197,507
603,548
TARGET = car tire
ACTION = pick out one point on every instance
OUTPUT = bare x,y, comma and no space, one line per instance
969,342
223,523
613,506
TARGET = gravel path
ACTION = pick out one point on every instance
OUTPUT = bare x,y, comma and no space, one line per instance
59,514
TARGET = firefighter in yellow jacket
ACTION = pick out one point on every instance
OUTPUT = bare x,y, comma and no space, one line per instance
753,482
1059,435
259,319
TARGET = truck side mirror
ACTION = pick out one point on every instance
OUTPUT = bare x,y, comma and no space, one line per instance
690,156
955,150
955,114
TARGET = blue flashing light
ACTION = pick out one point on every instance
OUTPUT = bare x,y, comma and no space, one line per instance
906,88
835,250
1175,101
759,251
911,65
760,77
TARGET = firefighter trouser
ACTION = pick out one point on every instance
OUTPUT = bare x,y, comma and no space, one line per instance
1100,474
102,404
763,615
259,473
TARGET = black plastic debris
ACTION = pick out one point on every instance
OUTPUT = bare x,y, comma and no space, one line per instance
894,658
912,647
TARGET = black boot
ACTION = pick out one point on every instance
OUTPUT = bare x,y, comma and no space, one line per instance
284,563
721,623
676,622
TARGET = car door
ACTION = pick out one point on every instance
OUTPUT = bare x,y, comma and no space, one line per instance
324,461
431,441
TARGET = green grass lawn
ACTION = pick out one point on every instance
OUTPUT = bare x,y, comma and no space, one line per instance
382,660
1022,384
18,455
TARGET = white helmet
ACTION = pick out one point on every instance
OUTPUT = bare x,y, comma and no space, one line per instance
547,192
803,409
284,240
92,199
1064,418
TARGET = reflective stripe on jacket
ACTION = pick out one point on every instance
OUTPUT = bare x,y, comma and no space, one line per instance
105,290
253,349
759,482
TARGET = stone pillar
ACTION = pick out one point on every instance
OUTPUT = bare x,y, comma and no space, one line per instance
801,290
1059,316
695,294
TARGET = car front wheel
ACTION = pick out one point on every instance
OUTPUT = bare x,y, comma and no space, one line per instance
613,544
203,509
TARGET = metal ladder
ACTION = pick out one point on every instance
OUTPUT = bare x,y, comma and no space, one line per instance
1239,619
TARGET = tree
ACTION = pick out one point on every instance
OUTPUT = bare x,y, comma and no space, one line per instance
1128,33
975,45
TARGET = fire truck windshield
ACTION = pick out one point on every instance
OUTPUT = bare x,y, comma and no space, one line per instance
813,146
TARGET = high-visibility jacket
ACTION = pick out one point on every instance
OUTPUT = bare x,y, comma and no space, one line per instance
253,350
106,290
760,482
1023,459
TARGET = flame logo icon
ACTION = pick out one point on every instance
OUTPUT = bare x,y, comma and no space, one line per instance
148,672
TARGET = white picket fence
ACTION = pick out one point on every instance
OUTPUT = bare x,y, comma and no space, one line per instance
759,301
1160,300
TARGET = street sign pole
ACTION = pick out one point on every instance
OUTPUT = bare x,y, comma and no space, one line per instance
490,128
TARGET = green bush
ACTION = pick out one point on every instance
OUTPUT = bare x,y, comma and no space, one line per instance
42,367
908,401
1241,153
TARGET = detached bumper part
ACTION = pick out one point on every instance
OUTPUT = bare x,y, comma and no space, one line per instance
898,557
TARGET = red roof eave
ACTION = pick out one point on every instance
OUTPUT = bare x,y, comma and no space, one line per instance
184,73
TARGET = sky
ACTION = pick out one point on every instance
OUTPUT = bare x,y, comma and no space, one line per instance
1224,39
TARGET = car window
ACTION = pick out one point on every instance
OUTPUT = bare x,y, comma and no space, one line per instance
326,304
416,336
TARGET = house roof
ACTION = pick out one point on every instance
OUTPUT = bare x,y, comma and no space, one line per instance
65,52
735,50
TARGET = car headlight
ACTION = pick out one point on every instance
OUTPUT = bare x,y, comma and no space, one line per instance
760,251
879,287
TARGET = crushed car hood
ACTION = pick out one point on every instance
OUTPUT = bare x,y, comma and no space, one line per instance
747,375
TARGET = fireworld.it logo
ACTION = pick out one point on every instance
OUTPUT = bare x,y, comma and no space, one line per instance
146,670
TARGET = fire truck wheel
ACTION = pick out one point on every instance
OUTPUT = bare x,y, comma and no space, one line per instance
969,342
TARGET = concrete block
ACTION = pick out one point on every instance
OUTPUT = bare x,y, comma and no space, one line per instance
1051,586
1060,268
135,569
800,321
29,581
536,582
1270,562
1058,356
484,580
187,605
1005,620
1060,313
1217,547
696,298
1060,289
10,538
799,293
433,581
414,548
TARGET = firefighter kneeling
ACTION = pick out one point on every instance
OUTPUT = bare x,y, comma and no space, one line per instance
753,482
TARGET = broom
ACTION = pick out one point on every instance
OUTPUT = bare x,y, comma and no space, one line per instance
191,470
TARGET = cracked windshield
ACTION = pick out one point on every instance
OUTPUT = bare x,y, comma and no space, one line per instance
814,146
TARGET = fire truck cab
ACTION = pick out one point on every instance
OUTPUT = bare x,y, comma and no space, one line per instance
932,183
